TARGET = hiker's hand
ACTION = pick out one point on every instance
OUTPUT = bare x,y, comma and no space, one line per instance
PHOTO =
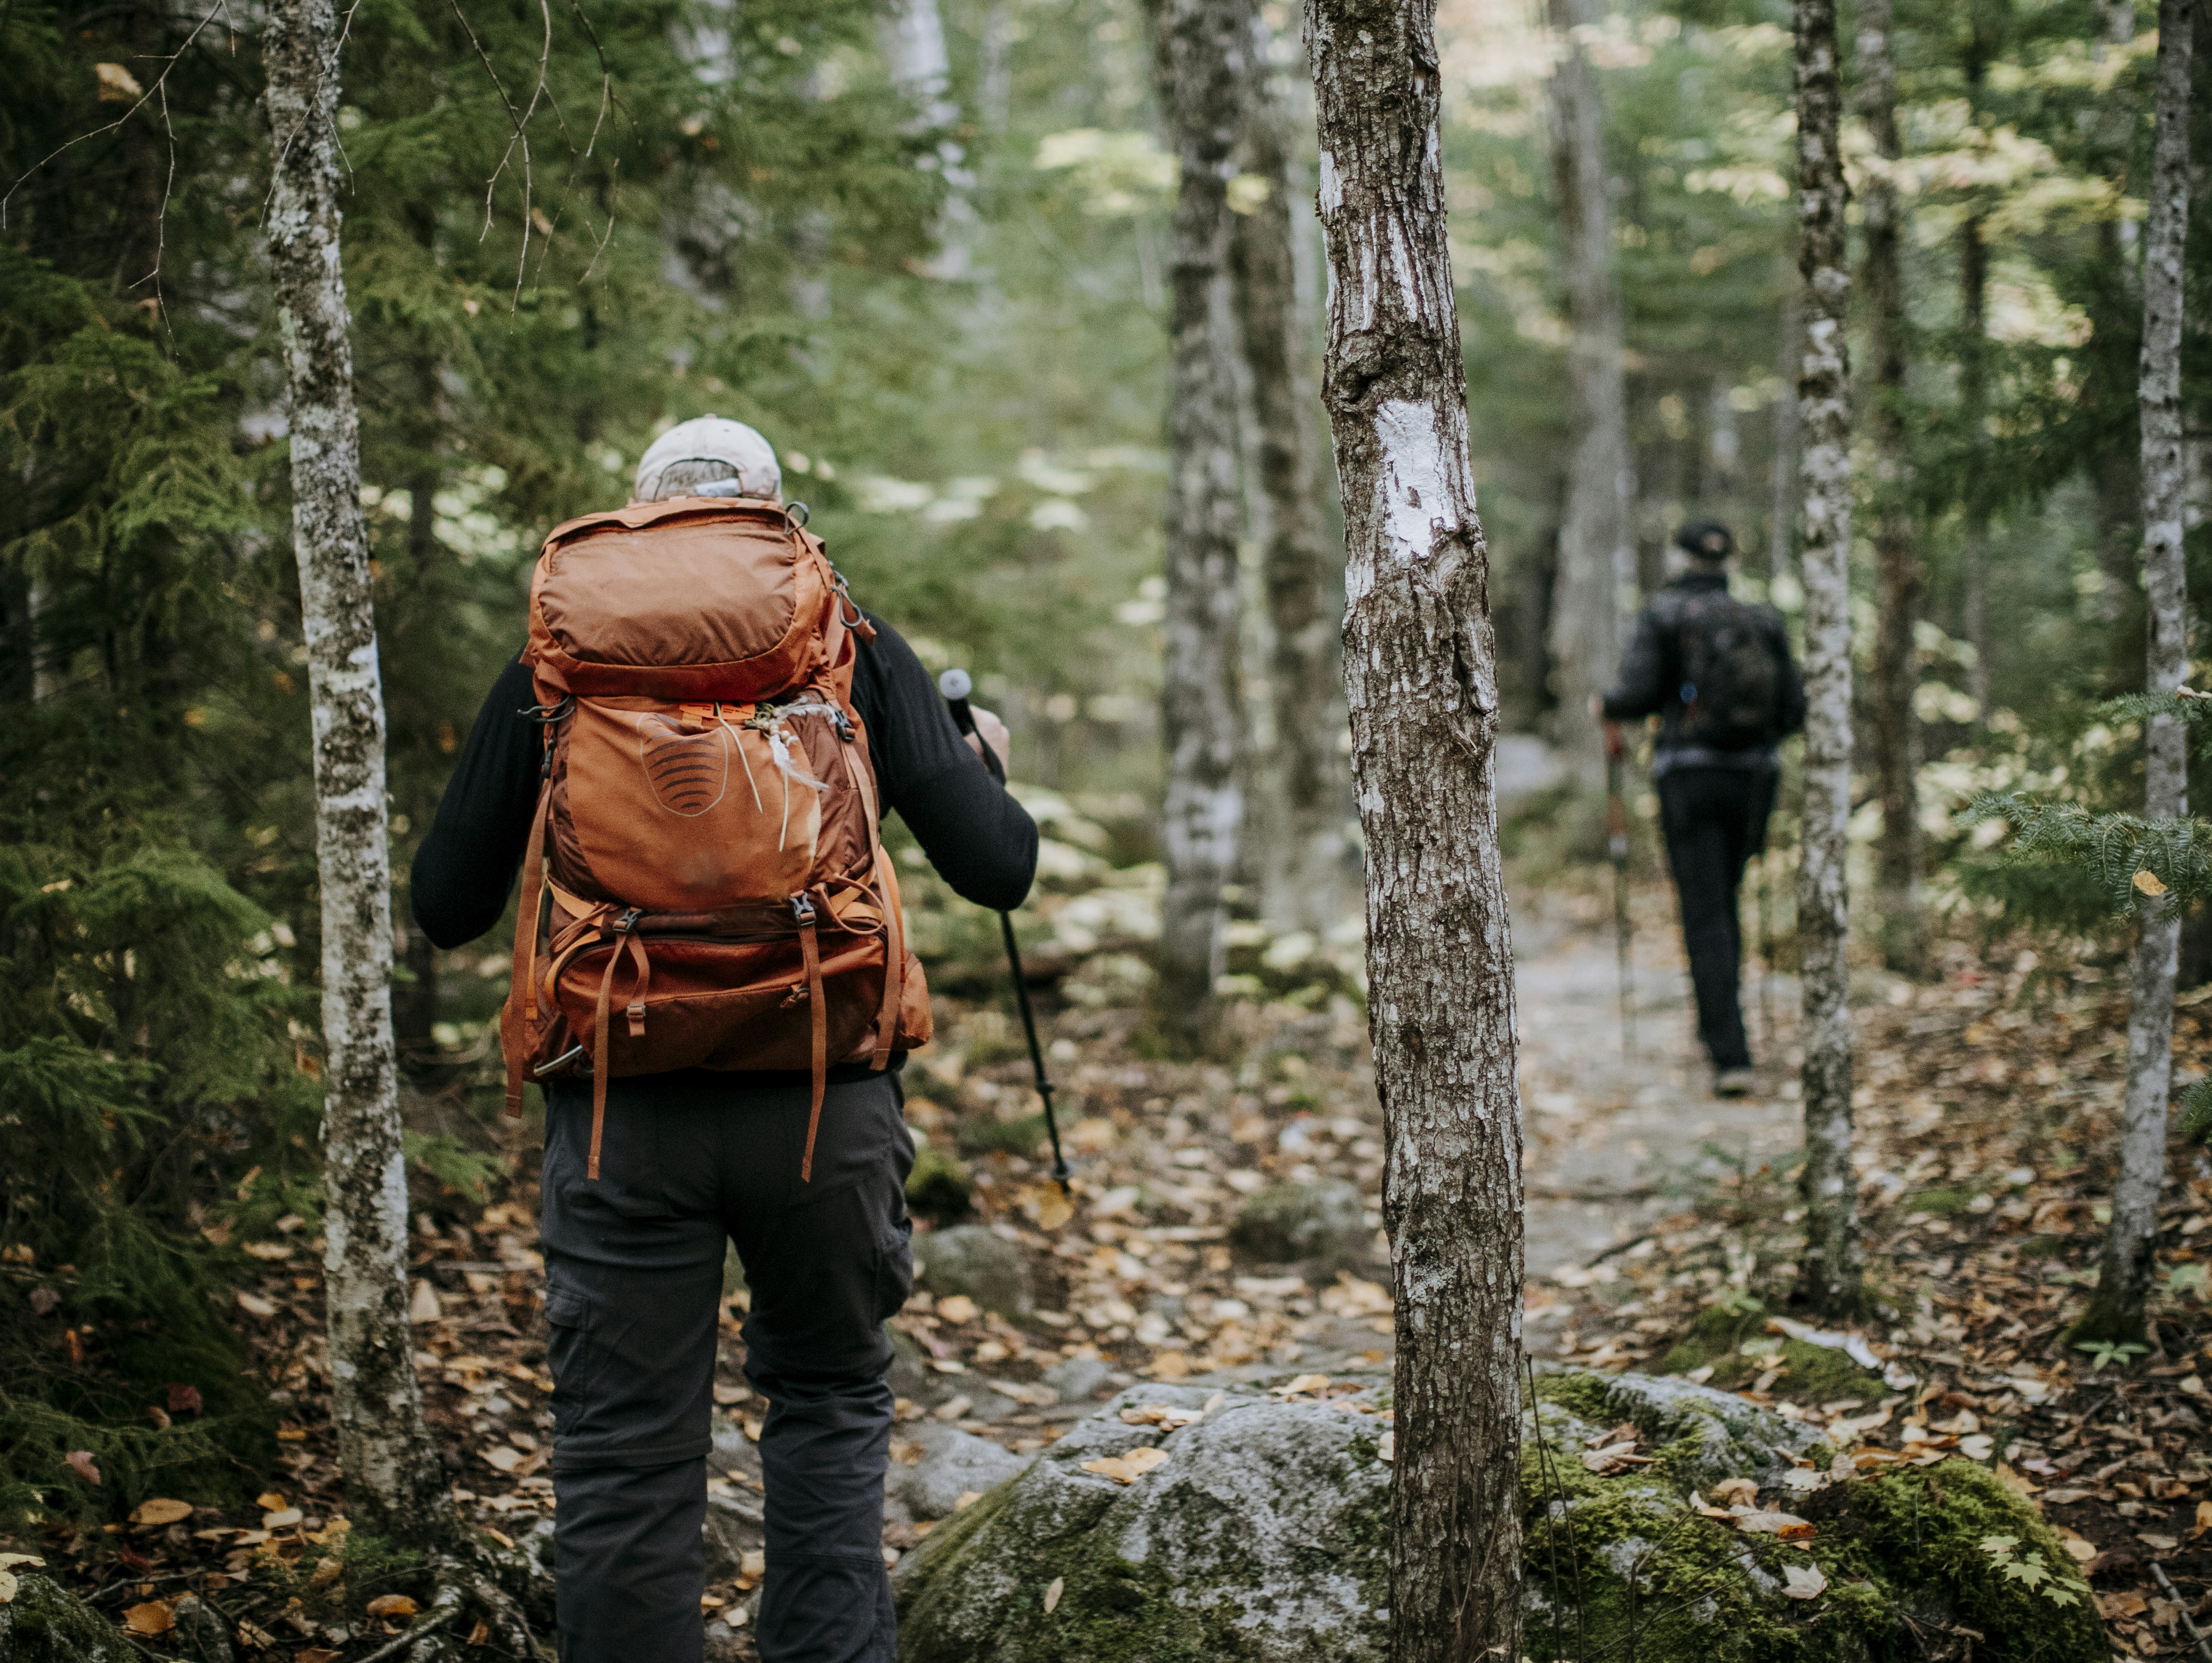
993,732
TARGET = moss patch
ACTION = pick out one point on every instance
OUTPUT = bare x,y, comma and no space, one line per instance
1730,1337
45,1623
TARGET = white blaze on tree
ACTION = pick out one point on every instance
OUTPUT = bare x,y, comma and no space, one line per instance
395,1484
2123,1275
1421,678
1597,551
1197,55
1830,1275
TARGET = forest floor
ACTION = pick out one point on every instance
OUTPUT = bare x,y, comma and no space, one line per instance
1660,1230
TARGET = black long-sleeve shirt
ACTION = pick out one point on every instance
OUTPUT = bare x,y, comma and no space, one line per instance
977,836
1650,681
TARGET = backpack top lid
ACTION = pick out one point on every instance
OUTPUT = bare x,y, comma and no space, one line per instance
693,599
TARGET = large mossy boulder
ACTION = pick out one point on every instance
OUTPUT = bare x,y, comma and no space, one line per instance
44,1623
1261,1538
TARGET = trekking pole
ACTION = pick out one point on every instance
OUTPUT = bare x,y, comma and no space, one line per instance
956,685
1616,827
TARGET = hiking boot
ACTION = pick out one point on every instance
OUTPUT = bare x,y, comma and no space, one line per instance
1734,1082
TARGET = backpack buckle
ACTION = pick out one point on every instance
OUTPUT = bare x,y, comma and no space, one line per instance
802,910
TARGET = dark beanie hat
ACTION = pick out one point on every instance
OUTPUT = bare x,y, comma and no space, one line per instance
1702,539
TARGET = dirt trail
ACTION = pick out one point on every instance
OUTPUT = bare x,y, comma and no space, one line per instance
1615,1140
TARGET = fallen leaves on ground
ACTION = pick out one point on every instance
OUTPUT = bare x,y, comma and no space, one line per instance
154,1617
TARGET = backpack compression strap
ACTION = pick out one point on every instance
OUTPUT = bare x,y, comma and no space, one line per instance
818,1022
518,1022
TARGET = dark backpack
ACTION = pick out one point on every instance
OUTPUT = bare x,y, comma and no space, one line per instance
1732,674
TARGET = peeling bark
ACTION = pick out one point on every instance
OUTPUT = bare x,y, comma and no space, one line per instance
1830,1277
395,1485
1782,517
1597,550
1420,672
1198,50
2123,1275
1303,789
1896,534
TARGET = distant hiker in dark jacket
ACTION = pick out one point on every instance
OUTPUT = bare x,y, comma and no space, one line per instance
698,1160
1718,673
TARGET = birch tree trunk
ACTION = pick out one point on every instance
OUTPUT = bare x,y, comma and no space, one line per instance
1199,48
1304,791
1420,672
1597,553
1896,537
394,1483
2123,1275
912,36
1829,1279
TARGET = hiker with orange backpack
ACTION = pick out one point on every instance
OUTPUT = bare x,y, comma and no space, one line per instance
689,761
1718,673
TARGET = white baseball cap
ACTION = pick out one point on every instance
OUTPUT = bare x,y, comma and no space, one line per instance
712,439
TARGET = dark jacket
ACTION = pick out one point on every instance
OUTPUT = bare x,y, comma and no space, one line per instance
1650,680
977,836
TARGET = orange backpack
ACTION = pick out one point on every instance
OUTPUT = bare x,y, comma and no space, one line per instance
704,885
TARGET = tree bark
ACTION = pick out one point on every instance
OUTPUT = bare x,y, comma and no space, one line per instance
1782,535
912,35
1597,551
2123,1275
1303,789
1198,50
1896,535
1421,672
395,1484
1973,400
1830,1278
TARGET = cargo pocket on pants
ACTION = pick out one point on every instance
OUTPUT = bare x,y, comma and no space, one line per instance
570,1355
894,1266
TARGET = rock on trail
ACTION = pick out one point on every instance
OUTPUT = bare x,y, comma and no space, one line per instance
1249,1524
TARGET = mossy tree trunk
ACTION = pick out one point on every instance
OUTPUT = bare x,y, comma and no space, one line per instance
1896,532
2124,1274
1830,1275
1198,51
395,1484
1420,674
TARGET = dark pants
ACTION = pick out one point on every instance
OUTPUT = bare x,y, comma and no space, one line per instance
633,1287
1715,820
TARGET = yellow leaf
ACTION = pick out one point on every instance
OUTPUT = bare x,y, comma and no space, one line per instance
8,1586
1053,1208
392,1605
160,1510
2148,882
283,1521
1051,1594
254,1305
1127,1468
958,1308
269,1501
118,86
154,1617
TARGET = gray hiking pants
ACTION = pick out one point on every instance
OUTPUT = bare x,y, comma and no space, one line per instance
633,1284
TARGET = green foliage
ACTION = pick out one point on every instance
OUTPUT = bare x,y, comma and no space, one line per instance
452,1163
2104,1352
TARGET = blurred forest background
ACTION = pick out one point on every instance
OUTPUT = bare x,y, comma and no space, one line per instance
944,302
